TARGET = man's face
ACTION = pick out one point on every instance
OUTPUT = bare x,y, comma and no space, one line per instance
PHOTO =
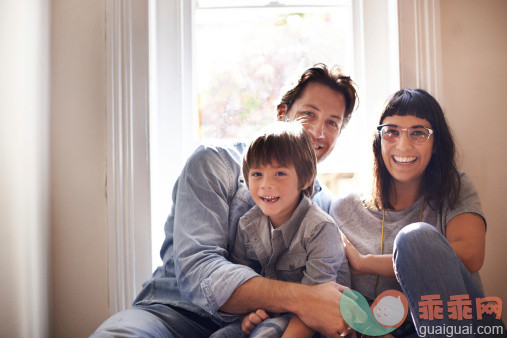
321,110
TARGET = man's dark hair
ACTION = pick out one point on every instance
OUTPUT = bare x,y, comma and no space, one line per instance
331,77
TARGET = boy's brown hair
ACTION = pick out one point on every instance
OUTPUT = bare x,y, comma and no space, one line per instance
287,144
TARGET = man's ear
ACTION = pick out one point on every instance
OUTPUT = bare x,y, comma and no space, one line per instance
281,112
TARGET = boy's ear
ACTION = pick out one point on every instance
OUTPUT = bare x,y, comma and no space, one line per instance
281,112
308,183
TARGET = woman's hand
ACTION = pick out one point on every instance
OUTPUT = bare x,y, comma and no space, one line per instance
367,264
355,258
253,319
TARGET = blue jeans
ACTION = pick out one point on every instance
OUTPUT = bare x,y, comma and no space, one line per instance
155,321
425,264
269,328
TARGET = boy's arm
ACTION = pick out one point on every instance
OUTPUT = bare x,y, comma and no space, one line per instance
239,252
297,329
325,252
325,257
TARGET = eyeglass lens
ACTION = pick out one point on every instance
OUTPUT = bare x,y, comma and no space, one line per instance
416,135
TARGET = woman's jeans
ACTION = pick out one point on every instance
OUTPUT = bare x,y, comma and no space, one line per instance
441,292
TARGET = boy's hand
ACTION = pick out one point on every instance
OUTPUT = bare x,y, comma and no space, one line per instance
252,320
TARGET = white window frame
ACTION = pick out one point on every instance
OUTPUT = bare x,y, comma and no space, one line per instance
420,45
129,100
128,175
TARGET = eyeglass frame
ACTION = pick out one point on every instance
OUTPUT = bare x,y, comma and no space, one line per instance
379,129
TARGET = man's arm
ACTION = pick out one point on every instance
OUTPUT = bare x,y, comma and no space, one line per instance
202,232
317,306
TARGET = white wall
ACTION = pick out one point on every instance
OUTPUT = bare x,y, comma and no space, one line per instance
78,168
24,152
474,54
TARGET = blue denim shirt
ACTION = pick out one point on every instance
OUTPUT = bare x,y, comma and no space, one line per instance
209,197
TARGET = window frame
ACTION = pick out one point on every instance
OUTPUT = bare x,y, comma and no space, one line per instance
128,171
134,110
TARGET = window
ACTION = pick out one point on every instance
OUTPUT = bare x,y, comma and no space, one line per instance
174,129
218,68
245,55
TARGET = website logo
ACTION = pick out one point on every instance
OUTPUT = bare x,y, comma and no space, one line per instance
390,309
387,312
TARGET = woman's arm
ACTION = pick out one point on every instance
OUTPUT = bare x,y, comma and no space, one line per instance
466,233
368,264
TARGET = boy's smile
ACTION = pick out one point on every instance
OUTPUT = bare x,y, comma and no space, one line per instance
270,199
275,190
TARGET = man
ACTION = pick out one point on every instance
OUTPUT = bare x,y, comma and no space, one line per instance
197,288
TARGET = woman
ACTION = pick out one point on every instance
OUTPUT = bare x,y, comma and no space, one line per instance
423,230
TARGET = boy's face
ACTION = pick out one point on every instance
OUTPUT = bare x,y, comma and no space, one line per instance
275,190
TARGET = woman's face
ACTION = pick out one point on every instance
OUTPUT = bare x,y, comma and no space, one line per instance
405,161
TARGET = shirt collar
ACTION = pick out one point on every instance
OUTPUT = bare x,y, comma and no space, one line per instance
289,228
316,188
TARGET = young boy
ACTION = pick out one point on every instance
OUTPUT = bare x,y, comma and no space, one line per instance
285,236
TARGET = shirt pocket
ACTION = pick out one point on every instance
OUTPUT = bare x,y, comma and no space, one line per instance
290,267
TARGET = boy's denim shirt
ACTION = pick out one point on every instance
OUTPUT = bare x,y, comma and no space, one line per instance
209,198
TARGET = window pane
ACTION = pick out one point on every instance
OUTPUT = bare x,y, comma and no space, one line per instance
245,56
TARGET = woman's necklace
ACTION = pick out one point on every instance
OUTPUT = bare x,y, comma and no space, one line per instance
382,237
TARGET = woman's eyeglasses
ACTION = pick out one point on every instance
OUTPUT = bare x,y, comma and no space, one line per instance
416,135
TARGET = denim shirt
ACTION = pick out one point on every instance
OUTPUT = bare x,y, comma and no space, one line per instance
209,198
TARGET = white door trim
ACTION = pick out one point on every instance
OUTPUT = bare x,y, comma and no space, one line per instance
128,171
420,45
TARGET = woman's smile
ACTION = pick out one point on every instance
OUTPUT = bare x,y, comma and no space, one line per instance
404,160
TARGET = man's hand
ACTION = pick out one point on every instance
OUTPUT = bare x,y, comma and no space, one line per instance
318,306
320,309
253,319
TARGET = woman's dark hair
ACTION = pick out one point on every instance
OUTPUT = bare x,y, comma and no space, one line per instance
441,178
331,77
